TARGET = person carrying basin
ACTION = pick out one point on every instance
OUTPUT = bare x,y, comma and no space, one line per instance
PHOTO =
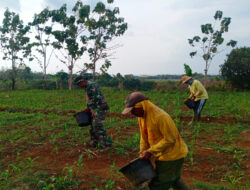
159,138
97,105
197,99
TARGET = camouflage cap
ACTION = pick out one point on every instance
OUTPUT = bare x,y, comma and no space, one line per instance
83,77
133,99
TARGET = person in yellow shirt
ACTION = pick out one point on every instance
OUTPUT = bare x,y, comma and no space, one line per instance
159,138
197,99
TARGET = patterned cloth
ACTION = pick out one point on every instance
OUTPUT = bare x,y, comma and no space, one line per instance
98,107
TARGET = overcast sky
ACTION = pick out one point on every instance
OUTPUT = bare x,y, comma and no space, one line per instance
156,39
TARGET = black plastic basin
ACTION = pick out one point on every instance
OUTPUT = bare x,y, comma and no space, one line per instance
83,118
138,171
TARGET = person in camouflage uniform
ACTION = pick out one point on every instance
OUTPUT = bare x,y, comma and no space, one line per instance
98,107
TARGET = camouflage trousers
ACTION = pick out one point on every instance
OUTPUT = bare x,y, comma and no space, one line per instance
97,131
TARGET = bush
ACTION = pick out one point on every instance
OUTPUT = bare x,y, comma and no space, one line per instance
147,85
131,84
39,84
236,69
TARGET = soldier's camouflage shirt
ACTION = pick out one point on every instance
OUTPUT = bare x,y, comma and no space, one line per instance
95,98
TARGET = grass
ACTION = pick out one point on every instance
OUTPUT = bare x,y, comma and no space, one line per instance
26,127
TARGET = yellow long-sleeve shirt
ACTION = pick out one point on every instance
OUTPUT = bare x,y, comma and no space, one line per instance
197,90
159,134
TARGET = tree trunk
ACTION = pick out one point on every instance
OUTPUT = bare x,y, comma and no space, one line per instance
94,68
13,75
205,76
61,84
44,80
44,71
70,75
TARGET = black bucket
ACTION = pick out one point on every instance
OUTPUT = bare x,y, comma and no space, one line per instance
83,118
138,171
190,104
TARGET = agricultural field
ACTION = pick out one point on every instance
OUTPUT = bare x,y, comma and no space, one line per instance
41,146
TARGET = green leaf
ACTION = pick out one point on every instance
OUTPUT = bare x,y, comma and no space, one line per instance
110,1
218,15
206,57
196,38
84,12
99,8
193,54
232,43
213,49
204,39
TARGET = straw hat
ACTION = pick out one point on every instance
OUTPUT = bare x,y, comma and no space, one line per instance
185,79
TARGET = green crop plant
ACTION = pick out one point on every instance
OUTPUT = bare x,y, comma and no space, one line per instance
5,175
114,170
109,184
191,152
49,119
15,169
30,161
80,163
201,185
53,138
133,142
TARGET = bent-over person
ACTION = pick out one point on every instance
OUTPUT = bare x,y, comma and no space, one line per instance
97,105
159,138
197,99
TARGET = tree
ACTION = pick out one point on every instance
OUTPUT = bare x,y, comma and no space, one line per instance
103,26
71,42
42,27
14,41
24,73
60,77
236,69
212,39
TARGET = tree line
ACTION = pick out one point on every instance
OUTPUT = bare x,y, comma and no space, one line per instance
67,35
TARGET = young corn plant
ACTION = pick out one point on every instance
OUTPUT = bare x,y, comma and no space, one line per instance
115,171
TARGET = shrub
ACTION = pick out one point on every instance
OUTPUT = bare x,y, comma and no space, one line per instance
236,69
147,85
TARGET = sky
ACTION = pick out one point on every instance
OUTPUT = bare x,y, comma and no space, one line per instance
156,39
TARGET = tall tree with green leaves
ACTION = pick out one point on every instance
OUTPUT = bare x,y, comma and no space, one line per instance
236,69
42,27
103,25
71,40
212,39
14,41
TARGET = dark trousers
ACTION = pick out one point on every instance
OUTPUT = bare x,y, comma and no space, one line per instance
197,107
168,175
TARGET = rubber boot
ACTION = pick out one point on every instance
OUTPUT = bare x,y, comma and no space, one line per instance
180,185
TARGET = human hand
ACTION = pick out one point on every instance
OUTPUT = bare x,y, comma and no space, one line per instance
185,100
86,109
145,155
